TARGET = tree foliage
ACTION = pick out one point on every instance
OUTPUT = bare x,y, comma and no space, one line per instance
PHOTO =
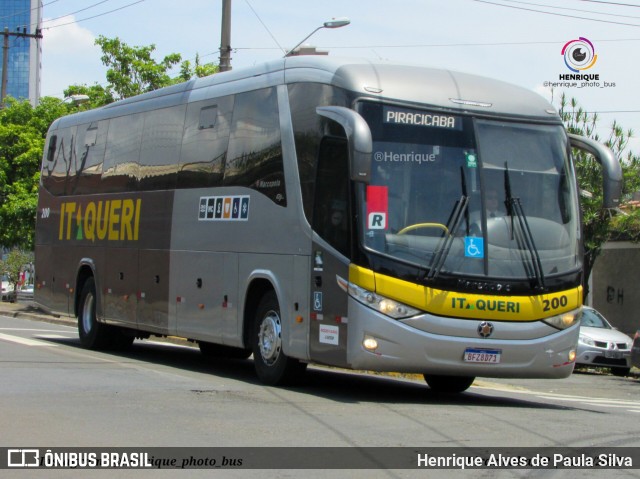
188,71
22,133
98,95
13,265
599,224
23,128
132,70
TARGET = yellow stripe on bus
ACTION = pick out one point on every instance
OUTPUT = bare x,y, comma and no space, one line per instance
466,305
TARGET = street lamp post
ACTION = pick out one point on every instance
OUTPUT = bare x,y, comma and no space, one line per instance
77,99
335,23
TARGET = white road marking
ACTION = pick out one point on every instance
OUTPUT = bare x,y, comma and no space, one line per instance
25,341
631,406
32,329
53,336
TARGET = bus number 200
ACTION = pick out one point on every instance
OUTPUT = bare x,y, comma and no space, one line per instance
555,303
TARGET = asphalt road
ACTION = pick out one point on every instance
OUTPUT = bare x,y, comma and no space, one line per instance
56,394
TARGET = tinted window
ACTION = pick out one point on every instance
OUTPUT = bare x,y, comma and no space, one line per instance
204,146
331,213
309,129
160,148
122,154
254,157
61,162
92,139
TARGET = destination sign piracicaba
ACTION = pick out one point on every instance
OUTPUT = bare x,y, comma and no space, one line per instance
403,116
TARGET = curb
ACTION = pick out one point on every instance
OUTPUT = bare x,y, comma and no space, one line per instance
30,312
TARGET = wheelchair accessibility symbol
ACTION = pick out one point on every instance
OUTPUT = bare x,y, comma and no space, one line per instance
473,247
317,301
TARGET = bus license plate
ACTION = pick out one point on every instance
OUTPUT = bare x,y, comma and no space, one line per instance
485,356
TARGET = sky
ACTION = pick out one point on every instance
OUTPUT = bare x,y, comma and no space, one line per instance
520,42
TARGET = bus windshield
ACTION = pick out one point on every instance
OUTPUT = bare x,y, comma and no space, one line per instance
456,195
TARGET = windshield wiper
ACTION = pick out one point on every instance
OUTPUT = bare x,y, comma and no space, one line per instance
460,210
525,238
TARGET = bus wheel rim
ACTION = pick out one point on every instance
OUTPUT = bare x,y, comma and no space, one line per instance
87,313
270,338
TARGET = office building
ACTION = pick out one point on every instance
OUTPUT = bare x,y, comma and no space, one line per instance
17,18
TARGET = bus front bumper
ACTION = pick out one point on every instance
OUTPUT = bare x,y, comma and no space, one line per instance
449,346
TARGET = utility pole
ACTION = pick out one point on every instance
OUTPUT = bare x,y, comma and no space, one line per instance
225,37
5,55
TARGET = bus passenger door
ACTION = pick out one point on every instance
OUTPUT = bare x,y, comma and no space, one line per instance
330,254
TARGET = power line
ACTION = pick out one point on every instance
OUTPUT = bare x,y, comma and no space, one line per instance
556,14
612,3
570,9
77,11
265,27
448,45
95,16
27,11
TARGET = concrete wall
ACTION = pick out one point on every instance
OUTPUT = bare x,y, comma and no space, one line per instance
615,285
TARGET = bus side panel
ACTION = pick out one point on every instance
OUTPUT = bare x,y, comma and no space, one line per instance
43,290
153,295
329,320
153,240
63,281
119,286
280,271
205,290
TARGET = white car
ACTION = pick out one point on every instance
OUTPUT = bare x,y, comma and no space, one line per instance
8,293
601,345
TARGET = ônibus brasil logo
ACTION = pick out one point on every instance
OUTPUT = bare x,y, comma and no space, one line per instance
579,54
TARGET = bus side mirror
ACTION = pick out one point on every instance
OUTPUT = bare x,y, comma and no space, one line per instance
611,169
358,137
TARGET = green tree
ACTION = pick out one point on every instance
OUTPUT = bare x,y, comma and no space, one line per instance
131,70
599,224
98,95
13,265
188,71
23,128
22,133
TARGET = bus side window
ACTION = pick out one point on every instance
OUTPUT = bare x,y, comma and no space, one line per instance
90,147
204,143
160,148
60,161
122,154
255,150
331,204
51,153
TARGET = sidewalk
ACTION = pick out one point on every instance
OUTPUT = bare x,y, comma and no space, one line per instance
28,310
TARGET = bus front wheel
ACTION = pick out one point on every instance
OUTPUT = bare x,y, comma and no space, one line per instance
448,384
272,366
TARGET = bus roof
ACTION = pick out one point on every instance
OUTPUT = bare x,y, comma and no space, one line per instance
381,80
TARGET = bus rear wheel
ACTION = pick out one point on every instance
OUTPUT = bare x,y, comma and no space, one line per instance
448,384
272,366
93,334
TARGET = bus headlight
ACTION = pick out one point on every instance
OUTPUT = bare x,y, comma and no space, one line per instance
393,309
564,320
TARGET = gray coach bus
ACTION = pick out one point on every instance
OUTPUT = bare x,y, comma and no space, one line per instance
317,210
